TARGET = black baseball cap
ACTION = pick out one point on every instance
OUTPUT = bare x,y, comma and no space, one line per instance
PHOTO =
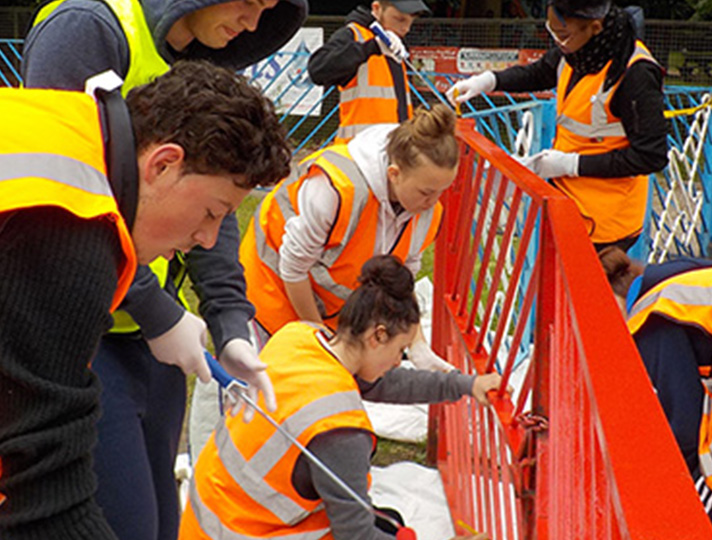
411,7
581,9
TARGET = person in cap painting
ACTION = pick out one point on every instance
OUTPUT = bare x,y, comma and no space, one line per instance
371,76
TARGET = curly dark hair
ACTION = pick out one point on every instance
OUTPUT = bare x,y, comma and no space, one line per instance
225,125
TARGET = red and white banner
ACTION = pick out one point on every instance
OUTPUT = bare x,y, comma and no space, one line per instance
466,60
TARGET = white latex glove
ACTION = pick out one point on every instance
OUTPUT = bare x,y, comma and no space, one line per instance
553,163
239,358
423,357
485,383
183,346
397,50
474,86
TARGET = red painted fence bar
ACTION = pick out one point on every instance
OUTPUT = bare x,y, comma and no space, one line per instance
582,449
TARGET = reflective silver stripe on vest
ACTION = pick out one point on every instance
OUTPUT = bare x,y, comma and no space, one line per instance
266,254
252,483
422,227
595,130
276,447
213,527
560,67
361,193
706,463
600,126
249,474
691,295
375,92
62,169
320,271
349,132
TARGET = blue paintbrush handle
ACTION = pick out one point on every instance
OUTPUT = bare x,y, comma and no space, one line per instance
219,374
377,29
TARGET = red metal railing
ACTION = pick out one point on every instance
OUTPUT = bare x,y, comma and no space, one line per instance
582,449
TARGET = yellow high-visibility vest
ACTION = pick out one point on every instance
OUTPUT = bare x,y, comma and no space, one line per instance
242,483
145,64
687,299
64,167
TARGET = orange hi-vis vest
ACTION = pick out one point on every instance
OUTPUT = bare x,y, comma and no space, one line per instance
613,208
52,154
370,97
685,298
242,484
350,244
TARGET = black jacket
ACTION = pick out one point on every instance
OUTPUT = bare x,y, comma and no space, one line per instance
338,60
638,102
58,274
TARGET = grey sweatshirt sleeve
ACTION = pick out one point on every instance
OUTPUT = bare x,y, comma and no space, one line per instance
219,281
347,452
79,39
150,306
401,385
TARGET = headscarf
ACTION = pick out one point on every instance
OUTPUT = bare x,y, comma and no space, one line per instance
615,41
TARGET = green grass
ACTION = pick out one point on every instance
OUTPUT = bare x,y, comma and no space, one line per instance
389,452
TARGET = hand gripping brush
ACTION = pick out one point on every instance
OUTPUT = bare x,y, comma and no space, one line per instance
235,389
377,29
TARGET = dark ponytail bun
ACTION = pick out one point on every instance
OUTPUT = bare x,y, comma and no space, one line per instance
385,297
388,274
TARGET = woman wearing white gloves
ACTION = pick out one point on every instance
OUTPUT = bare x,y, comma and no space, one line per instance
379,194
610,132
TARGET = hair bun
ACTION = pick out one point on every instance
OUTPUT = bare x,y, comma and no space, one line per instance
387,273
433,123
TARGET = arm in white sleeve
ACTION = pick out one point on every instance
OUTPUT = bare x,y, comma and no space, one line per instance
305,234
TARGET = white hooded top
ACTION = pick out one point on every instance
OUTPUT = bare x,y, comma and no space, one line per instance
305,234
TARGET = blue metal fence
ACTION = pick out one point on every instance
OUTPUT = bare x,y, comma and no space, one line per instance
680,212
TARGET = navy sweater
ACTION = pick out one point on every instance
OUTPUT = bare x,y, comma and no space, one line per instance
672,353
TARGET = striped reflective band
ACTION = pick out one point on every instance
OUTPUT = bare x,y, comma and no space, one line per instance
62,169
691,295
266,254
365,90
705,433
422,228
349,132
361,192
276,447
213,527
251,480
595,130
599,126
249,474
560,67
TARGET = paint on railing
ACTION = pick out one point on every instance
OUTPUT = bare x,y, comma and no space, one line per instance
562,457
